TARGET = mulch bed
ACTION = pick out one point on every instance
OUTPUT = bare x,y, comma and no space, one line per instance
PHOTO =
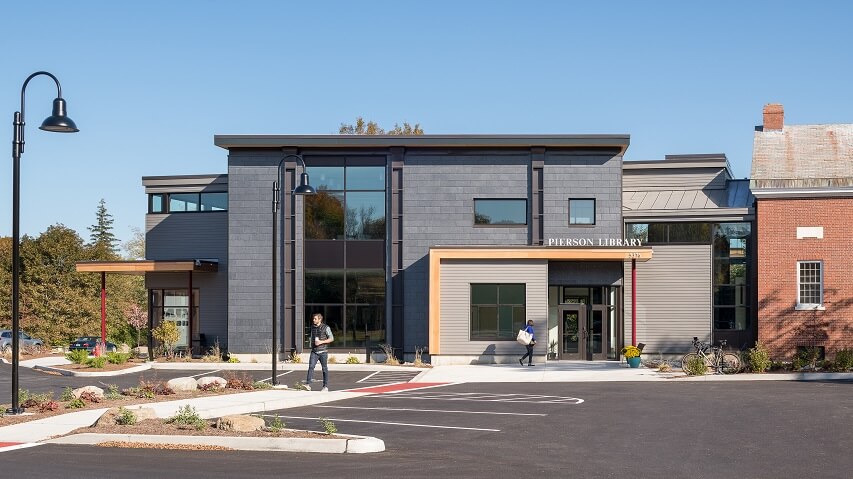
159,427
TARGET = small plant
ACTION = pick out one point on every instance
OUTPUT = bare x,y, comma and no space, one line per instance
78,356
806,358
23,395
167,334
112,392
419,362
214,354
300,386
97,362
187,417
241,380
328,426
295,358
631,352
333,360
665,367
75,403
261,385
695,366
233,359
88,396
125,417
48,406
352,359
118,358
35,400
276,425
138,392
389,355
67,394
758,358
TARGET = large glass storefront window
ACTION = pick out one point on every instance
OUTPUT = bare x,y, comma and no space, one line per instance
731,276
174,305
352,303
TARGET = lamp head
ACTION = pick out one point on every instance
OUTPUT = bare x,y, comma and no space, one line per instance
59,121
304,188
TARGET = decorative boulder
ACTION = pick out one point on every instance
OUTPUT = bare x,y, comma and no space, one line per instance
96,391
207,380
240,423
183,384
109,418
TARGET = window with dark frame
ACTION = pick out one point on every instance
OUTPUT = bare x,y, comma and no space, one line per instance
498,311
581,211
500,211
810,283
187,202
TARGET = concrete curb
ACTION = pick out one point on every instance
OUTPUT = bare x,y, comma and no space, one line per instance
350,444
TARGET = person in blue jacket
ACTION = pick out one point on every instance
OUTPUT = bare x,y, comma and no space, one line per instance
529,353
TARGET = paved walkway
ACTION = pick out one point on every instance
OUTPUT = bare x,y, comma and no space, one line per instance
259,401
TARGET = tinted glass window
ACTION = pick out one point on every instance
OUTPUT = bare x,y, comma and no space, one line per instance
500,212
581,211
365,178
365,215
497,311
366,287
326,177
324,286
157,203
183,202
324,215
214,201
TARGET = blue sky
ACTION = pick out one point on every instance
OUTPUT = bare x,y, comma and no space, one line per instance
150,83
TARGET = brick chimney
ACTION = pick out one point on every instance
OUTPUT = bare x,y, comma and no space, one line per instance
774,116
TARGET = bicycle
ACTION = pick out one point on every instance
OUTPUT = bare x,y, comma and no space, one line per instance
722,363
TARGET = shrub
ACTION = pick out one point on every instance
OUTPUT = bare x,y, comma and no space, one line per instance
118,358
156,388
328,426
233,359
352,360
333,360
167,334
34,400
419,353
843,360
125,417
75,404
112,392
276,425
806,357
97,362
758,358
187,417
664,367
138,392
242,380
48,406
214,354
88,396
389,354
261,385
295,358
78,356
695,366
67,394
298,386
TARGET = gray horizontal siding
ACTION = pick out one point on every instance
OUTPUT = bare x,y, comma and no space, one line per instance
673,298
192,236
674,179
456,277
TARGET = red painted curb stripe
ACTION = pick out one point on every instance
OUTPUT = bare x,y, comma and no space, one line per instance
395,387
7,444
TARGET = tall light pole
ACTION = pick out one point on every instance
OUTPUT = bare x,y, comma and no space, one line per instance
58,122
303,189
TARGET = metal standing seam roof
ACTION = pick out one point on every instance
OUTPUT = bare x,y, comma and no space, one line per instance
737,195
803,156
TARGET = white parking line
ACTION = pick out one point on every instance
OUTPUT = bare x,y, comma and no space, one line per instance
19,446
388,423
483,397
206,373
434,410
279,375
374,373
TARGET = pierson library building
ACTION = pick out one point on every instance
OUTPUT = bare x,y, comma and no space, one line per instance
448,244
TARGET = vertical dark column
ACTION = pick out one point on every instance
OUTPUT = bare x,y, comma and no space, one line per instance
290,321
536,186
190,317
394,243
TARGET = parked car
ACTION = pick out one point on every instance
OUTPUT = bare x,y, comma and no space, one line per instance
24,340
89,342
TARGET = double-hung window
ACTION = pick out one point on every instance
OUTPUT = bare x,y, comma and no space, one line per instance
809,284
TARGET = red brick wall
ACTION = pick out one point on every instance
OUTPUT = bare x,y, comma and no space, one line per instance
780,326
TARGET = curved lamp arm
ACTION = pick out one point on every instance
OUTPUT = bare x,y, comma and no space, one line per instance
57,122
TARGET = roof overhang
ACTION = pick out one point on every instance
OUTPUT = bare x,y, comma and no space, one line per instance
141,267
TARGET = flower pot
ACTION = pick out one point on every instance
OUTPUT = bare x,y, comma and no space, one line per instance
633,362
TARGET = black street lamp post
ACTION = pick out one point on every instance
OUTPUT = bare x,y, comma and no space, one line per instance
57,122
303,189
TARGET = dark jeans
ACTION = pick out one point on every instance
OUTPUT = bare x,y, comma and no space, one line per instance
528,354
324,362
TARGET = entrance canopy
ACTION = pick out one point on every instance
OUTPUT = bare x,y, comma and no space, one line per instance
141,267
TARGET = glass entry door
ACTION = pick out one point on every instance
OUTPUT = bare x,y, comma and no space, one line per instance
582,335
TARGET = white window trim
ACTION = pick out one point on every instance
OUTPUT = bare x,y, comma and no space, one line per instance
810,306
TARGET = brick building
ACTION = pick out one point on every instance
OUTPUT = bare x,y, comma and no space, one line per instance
802,178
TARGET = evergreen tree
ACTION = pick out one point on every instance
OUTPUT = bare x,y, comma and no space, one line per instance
102,238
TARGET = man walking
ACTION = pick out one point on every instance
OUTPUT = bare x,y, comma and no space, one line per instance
321,336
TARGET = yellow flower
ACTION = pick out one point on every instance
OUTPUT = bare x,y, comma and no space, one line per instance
631,352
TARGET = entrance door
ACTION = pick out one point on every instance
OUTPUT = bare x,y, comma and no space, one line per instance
583,335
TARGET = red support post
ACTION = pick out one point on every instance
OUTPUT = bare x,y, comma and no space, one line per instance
103,308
